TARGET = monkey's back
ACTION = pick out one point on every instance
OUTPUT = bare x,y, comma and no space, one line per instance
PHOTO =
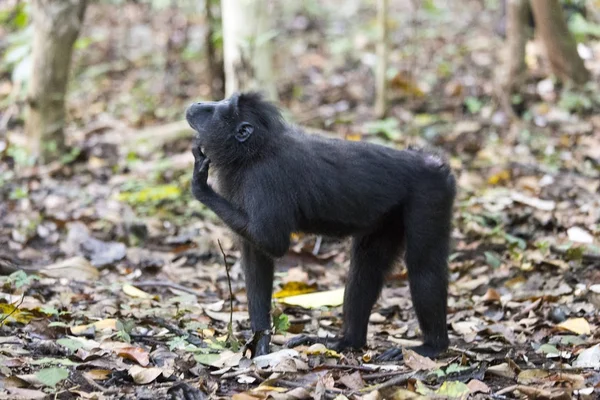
341,187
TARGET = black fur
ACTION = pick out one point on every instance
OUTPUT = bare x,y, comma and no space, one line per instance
279,180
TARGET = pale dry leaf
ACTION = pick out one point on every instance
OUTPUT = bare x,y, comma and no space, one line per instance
77,268
132,291
417,362
579,326
142,376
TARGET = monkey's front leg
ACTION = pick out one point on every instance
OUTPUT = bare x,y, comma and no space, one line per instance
258,271
262,231
235,218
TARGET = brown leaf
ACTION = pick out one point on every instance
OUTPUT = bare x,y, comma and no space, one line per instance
136,354
417,362
353,381
476,386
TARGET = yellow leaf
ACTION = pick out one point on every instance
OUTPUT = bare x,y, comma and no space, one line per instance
295,288
320,348
16,314
354,137
576,325
453,389
330,298
500,177
132,291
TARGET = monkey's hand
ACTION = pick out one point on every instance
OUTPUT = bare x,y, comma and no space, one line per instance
199,181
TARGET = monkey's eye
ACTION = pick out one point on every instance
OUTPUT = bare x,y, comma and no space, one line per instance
243,132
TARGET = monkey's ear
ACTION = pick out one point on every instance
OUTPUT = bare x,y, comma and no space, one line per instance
243,131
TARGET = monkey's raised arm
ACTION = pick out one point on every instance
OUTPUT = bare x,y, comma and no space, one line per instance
260,231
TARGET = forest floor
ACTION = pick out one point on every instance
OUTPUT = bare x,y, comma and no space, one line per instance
127,293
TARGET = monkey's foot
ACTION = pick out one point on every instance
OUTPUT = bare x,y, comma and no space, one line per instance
332,343
395,353
258,345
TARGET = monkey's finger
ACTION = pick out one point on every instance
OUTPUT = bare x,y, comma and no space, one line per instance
198,154
205,164
393,354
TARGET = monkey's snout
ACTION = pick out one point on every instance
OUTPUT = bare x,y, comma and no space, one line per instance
198,113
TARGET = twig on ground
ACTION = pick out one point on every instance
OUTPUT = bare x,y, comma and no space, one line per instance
168,284
192,339
397,380
230,325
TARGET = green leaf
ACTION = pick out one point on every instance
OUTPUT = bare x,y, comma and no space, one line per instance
20,278
454,368
206,359
177,342
52,376
492,259
71,344
515,241
473,104
547,349
572,340
387,127
281,323
49,310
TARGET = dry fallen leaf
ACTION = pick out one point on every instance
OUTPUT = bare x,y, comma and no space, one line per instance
576,325
132,291
476,386
136,354
73,268
417,362
143,375
109,323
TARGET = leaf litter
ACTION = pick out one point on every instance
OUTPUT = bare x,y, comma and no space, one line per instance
131,296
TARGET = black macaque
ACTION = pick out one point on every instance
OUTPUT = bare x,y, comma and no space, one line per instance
273,180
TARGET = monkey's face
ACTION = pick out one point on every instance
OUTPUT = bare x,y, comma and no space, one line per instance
220,125
237,129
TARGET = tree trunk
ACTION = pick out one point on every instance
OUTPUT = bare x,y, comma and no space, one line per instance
56,27
560,45
518,33
247,46
216,77
382,53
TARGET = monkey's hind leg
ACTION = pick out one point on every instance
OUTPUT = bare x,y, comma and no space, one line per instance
428,227
373,256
